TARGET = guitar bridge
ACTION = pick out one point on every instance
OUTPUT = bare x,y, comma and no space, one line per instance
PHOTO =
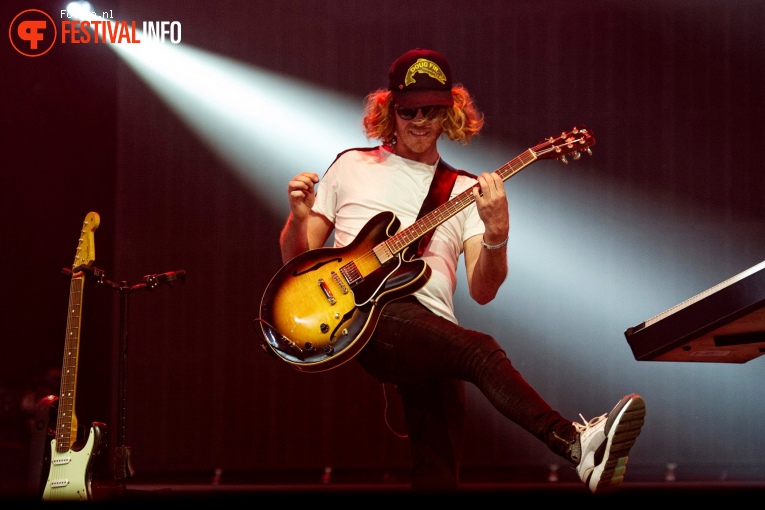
339,282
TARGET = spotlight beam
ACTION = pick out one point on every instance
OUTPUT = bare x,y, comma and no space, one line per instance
265,125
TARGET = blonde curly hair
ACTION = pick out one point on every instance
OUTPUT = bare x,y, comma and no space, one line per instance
461,122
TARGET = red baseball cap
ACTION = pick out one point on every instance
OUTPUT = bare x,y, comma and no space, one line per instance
421,77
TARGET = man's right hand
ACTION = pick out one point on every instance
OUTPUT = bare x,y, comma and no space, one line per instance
302,194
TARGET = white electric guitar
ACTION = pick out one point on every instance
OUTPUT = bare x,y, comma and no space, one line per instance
71,462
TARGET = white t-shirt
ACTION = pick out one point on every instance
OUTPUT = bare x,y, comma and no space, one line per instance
363,183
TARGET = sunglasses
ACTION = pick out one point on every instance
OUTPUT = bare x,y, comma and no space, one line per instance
427,111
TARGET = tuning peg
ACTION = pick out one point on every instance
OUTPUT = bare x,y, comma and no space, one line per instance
576,155
564,160
589,151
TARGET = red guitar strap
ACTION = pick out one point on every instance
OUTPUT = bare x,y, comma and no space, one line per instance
440,189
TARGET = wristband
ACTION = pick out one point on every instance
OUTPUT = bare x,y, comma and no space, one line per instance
496,246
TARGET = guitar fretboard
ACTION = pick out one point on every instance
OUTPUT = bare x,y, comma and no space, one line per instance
440,214
66,430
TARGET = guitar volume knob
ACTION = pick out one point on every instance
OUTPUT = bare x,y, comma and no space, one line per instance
324,328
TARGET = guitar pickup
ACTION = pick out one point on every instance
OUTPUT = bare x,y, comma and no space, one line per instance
351,274
327,291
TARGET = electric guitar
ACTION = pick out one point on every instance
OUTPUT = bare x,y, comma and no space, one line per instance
321,307
71,462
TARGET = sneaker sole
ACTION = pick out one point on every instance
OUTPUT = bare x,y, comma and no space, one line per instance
628,416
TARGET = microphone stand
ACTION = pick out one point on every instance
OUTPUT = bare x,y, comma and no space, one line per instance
122,466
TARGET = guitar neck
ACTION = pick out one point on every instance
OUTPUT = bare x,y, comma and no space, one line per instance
440,214
66,427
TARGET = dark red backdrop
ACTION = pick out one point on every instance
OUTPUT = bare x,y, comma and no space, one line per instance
675,93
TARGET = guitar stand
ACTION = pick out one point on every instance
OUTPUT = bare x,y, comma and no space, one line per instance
122,466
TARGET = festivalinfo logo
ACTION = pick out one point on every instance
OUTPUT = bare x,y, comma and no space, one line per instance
33,32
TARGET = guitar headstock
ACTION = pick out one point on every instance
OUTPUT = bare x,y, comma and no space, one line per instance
573,143
86,248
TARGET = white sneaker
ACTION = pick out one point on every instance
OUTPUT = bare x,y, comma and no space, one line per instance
605,442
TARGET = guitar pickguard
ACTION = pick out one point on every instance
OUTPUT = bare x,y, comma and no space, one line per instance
71,472
317,266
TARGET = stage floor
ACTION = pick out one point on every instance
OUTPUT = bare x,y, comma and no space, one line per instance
641,483
721,492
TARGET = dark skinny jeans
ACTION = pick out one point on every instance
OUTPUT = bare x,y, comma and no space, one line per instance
429,359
